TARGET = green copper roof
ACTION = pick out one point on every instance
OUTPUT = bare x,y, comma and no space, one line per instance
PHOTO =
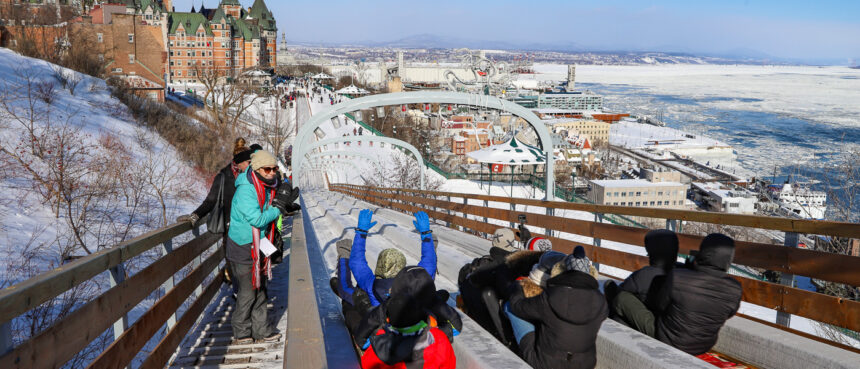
190,21
218,15
264,17
230,2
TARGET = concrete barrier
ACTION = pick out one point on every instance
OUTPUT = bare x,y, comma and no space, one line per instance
764,346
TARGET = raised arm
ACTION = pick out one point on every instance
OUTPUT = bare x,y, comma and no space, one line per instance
357,260
428,248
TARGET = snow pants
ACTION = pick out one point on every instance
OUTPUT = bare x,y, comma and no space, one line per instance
250,318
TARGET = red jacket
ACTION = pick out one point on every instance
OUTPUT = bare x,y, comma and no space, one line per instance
431,350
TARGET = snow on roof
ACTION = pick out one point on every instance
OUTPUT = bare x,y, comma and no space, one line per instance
622,183
321,76
352,90
511,152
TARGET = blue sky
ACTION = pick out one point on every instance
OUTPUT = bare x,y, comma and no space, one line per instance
803,30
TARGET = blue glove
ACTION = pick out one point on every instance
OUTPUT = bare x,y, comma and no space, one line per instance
422,222
364,221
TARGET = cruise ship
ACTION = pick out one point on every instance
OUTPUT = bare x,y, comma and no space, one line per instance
801,201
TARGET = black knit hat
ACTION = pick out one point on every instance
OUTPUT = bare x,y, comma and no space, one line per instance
242,156
412,295
716,250
662,247
255,147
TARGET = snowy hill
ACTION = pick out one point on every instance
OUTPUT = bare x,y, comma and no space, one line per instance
78,174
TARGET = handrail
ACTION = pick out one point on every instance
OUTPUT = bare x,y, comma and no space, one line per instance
71,334
19,298
821,265
306,348
822,227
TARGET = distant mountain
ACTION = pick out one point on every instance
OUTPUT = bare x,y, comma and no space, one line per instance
570,52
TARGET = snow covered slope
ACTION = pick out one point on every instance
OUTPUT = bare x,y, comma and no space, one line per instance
77,174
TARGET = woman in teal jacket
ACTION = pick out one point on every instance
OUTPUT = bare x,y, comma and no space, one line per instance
259,200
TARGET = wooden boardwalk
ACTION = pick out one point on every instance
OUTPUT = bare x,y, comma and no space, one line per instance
208,345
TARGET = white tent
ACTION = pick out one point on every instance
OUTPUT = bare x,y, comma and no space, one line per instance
321,76
352,90
511,152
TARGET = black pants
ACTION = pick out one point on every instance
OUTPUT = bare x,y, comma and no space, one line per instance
251,314
632,312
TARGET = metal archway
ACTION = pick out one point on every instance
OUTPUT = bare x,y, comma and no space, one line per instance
331,157
319,163
337,153
301,143
391,141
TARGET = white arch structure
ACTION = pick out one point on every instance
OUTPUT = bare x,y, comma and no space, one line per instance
321,164
302,142
377,139
337,154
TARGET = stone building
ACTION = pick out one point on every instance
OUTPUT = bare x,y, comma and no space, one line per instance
222,41
638,192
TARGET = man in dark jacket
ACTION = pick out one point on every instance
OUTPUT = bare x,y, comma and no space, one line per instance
691,304
566,318
223,183
662,248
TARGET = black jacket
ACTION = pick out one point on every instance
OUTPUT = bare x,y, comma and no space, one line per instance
693,304
567,317
212,196
639,282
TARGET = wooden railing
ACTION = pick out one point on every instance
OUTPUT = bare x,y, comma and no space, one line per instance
59,343
785,299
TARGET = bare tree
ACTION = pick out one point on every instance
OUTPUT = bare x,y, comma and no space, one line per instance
225,102
276,125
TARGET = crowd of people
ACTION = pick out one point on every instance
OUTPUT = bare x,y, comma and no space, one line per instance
545,305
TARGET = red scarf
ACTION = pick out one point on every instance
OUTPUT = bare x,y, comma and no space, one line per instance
261,188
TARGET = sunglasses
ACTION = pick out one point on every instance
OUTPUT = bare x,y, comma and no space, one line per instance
268,170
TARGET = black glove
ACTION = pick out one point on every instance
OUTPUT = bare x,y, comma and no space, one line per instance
192,218
344,248
284,197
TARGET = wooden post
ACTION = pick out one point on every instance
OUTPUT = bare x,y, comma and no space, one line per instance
199,290
672,225
786,279
117,276
6,343
598,218
448,209
166,248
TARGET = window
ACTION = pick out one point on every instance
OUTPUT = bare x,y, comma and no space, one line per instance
100,37
171,63
130,37
659,193
638,193
660,203
179,73
616,194
614,203
624,194
131,58
609,194
652,203
638,203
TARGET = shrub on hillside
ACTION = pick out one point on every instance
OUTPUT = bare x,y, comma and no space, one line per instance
207,149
